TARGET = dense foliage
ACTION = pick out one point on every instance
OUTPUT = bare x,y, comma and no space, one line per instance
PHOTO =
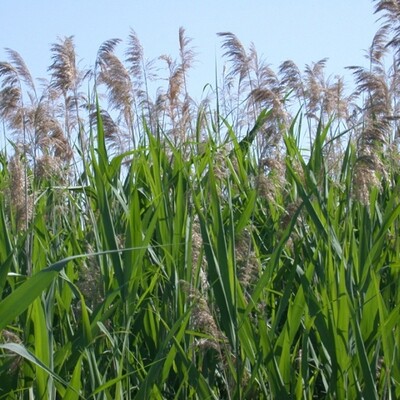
232,249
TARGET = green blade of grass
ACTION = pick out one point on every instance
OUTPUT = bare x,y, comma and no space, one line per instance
26,354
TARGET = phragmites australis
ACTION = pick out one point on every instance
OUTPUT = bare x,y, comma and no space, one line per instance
272,178
368,174
202,320
21,201
246,259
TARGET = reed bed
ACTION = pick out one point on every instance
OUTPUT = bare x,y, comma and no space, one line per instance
246,247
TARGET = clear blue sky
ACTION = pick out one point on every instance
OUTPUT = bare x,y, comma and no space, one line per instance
301,30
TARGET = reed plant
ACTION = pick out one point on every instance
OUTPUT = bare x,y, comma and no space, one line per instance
172,250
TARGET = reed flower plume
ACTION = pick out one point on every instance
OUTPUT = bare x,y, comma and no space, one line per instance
292,80
236,54
134,56
321,97
103,53
187,56
142,73
378,54
17,91
336,102
373,86
389,32
203,321
272,178
49,135
246,259
258,88
21,201
269,95
176,102
238,72
47,168
66,79
379,85
315,88
115,139
64,70
11,105
140,68
21,70
34,122
116,77
368,173
127,89
170,100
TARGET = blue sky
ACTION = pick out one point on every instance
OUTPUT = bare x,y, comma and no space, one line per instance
302,30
